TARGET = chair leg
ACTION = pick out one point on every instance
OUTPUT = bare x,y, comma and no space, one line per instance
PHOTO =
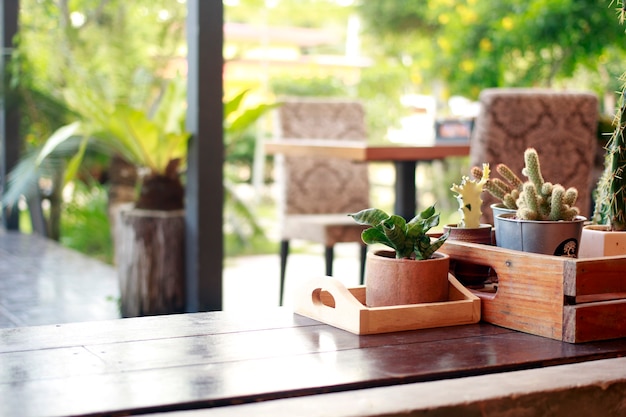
363,256
329,255
284,252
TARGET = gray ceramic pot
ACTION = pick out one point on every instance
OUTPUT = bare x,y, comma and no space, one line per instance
497,209
559,238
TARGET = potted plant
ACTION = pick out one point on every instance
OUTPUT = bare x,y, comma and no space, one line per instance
151,269
469,228
606,235
414,272
149,228
546,220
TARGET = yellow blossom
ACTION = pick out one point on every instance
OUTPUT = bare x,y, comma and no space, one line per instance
467,65
507,23
485,45
467,15
444,44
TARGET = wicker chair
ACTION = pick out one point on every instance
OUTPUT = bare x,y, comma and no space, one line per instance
316,194
561,125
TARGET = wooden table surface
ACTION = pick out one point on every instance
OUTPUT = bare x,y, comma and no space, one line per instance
362,151
404,158
203,360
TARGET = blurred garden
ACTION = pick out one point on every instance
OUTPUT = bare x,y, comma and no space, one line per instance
80,65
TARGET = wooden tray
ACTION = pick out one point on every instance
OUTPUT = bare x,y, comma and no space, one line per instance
327,300
568,299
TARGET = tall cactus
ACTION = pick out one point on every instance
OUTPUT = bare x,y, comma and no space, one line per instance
540,200
610,202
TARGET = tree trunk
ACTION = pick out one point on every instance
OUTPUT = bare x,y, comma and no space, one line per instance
122,178
151,262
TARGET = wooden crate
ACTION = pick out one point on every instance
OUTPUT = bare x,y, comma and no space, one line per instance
327,300
573,300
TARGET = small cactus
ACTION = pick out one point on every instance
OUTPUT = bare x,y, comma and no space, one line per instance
540,200
469,198
507,190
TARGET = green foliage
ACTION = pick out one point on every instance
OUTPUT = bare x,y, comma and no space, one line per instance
480,44
379,89
241,220
115,50
148,141
410,17
540,200
239,141
85,224
300,13
312,86
610,202
409,240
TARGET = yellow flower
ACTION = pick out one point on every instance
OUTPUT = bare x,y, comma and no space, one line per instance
467,65
507,23
485,45
467,15
444,44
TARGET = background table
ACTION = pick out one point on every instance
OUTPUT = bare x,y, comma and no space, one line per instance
206,360
404,158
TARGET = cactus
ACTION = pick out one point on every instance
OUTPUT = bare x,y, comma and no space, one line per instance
540,200
610,207
610,201
469,198
507,190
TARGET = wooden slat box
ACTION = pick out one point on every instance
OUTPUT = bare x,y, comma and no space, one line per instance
573,300
327,300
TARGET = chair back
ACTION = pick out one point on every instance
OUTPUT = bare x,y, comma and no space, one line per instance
561,125
315,185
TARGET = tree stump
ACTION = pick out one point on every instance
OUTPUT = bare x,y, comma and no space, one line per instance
151,262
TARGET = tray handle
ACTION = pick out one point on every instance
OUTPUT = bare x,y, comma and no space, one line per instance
325,299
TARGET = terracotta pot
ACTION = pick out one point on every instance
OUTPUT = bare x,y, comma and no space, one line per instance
598,240
469,274
391,281
558,238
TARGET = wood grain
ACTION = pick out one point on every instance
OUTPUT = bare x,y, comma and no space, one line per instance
327,300
204,360
359,151
574,300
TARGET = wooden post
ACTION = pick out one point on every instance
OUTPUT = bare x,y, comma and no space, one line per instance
9,114
204,188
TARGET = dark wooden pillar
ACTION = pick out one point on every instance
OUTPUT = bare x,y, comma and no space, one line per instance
204,190
9,114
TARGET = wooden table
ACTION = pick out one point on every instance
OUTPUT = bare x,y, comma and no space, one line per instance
404,158
205,360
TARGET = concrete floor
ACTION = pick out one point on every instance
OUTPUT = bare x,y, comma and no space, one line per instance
43,283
